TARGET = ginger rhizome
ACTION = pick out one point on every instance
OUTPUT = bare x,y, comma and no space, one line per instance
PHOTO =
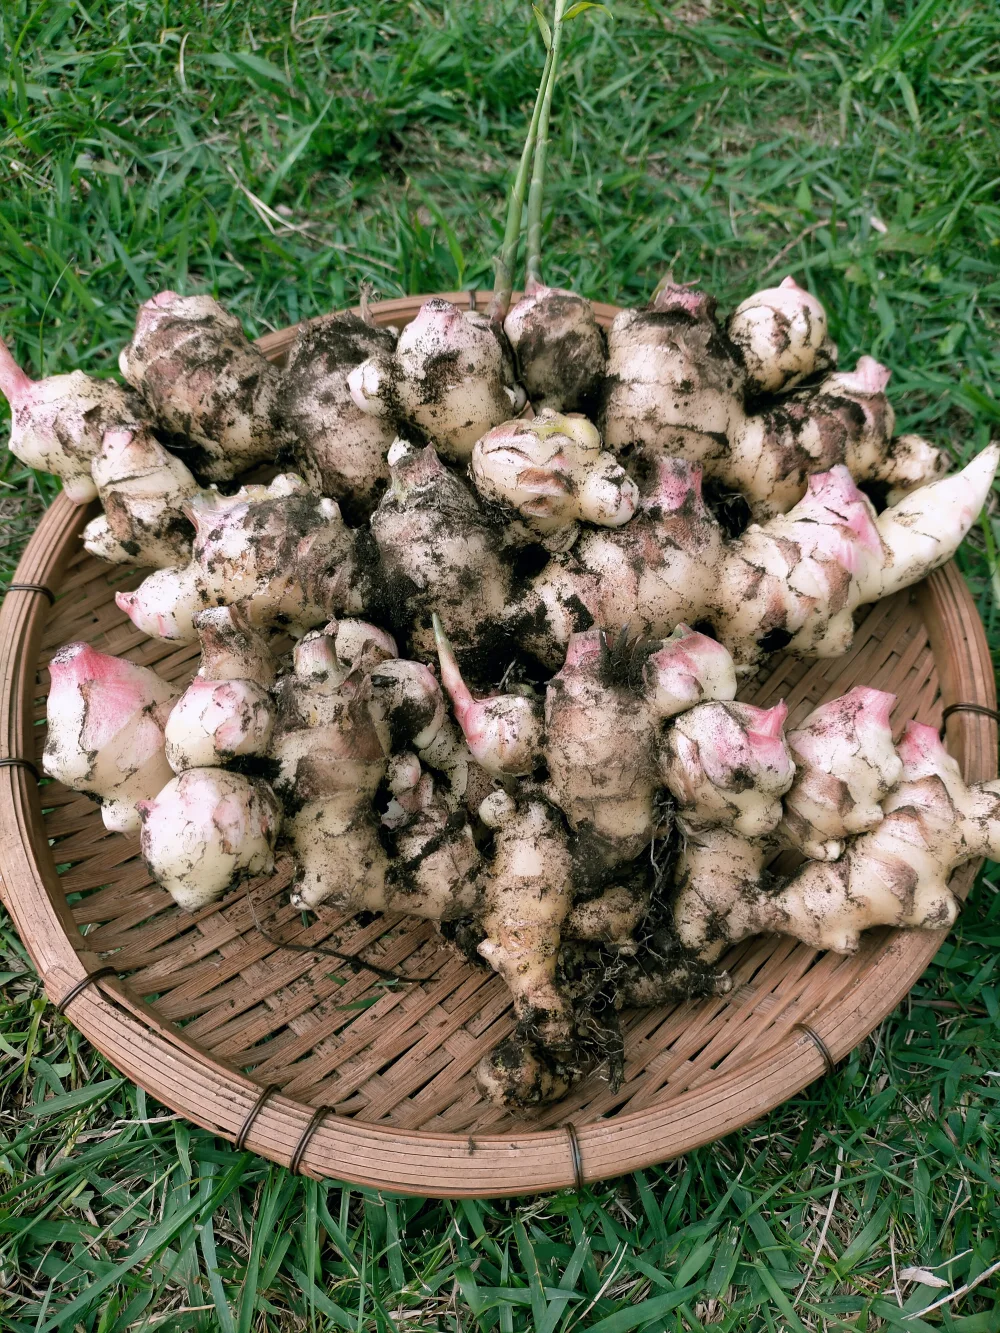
339,448
793,582
450,378
280,551
473,693
58,423
679,385
553,472
106,718
895,875
144,490
201,378
205,830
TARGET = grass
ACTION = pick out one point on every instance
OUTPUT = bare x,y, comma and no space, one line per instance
279,156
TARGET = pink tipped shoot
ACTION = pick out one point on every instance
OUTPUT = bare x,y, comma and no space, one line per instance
14,383
868,377
790,284
877,705
677,482
670,297
920,747
451,676
584,646
766,723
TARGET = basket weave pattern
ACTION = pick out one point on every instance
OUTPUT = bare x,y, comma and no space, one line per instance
207,1011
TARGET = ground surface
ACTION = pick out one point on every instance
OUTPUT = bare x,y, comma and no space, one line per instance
279,155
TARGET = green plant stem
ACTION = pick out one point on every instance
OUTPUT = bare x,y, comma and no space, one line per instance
533,260
504,266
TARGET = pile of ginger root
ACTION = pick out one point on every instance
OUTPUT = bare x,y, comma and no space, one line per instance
472,632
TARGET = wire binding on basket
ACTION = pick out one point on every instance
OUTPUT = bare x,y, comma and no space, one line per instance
81,986
576,1156
241,1135
969,708
307,1134
12,761
821,1046
32,587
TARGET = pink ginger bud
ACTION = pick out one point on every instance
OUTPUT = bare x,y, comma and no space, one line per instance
57,423
835,520
922,752
206,829
216,721
869,377
728,764
672,298
845,767
166,603
689,669
675,488
780,332
503,732
105,736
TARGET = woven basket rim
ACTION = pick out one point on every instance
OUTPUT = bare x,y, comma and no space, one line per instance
156,1054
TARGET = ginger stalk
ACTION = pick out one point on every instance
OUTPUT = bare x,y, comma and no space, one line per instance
557,343
58,423
144,490
205,830
106,718
202,378
503,267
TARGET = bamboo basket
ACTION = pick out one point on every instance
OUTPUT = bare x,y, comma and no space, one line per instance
271,1048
